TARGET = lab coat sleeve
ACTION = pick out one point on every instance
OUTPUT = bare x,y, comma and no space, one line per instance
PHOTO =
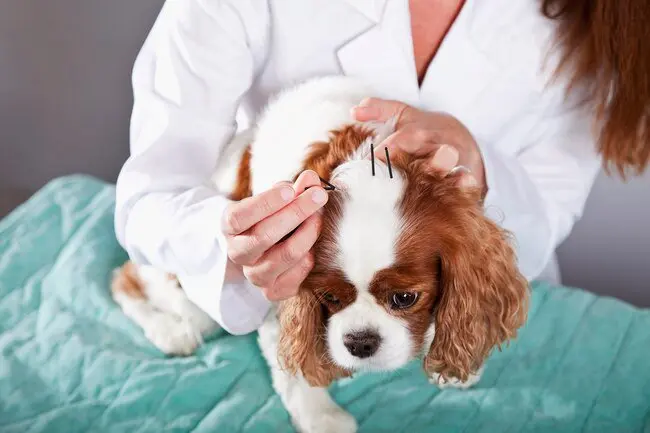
540,192
198,61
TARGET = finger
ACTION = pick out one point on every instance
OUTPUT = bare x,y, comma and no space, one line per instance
375,109
247,248
286,254
282,183
306,179
243,215
288,283
467,181
410,139
444,159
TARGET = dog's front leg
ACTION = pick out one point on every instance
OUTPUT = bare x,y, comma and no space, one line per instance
312,410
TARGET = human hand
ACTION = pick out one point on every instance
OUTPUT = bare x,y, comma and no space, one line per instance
255,228
441,137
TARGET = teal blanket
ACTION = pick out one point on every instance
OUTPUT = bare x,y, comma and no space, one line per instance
71,362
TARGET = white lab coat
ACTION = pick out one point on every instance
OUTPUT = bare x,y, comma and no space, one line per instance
208,63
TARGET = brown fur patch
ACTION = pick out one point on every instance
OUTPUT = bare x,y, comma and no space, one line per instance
414,276
127,281
243,187
323,157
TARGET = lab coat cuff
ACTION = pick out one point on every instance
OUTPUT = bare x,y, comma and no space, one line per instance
238,307
495,168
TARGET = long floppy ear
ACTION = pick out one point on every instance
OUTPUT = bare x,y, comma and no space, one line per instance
484,298
302,345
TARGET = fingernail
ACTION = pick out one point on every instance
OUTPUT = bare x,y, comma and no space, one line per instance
286,194
445,158
319,196
358,111
365,113
364,102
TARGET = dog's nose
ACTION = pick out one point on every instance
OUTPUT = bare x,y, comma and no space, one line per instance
362,344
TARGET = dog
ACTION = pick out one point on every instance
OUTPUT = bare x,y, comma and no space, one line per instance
406,266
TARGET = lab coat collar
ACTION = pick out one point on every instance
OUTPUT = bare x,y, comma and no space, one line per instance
371,9
382,52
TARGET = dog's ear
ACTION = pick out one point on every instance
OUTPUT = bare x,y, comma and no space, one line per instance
483,297
302,345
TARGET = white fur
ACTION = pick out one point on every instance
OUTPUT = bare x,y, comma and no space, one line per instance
292,120
371,222
428,338
167,296
167,332
297,118
311,408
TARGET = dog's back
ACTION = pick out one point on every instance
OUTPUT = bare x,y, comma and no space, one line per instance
277,148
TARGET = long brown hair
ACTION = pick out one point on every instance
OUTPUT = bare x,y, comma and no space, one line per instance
604,46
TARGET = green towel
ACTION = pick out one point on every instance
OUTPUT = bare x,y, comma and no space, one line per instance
70,361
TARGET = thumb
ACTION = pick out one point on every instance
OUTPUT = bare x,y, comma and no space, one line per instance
375,109
306,179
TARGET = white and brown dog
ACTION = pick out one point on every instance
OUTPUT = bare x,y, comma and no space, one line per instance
406,265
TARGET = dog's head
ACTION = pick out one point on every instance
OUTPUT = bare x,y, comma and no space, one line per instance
406,266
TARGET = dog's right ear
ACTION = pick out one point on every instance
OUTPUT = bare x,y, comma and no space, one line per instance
302,346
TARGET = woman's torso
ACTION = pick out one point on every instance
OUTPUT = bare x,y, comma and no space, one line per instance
488,71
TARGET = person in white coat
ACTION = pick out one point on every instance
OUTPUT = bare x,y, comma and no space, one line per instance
470,80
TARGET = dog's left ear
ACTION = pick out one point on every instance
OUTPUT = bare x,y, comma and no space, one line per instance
302,345
484,298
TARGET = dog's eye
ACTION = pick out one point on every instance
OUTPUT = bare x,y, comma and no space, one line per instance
331,298
403,300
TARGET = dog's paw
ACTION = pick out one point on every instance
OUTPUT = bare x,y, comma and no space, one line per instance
173,336
440,382
329,420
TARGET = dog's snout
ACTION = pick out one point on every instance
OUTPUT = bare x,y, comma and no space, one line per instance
362,344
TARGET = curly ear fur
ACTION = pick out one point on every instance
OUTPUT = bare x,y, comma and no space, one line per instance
484,298
302,345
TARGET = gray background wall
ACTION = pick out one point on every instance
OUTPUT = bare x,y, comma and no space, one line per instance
65,101
65,91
